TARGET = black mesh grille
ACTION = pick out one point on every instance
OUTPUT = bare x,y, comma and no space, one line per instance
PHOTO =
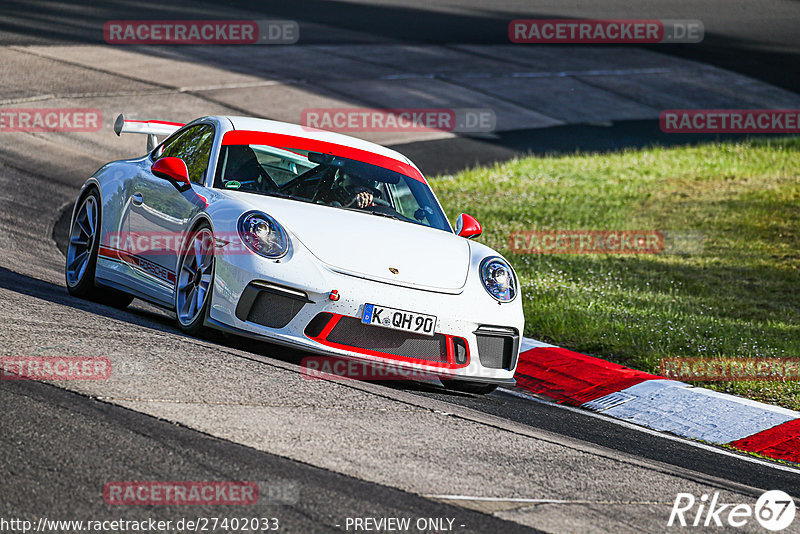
495,352
318,324
272,310
352,332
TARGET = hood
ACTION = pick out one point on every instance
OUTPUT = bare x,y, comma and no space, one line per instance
368,246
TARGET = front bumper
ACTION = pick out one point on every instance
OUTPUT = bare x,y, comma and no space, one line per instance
469,322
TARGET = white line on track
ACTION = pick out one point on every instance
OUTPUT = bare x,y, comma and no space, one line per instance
158,91
531,74
604,72
536,501
646,430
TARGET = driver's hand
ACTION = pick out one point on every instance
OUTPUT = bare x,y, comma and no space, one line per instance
363,199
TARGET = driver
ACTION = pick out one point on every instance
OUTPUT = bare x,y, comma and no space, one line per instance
351,191
362,199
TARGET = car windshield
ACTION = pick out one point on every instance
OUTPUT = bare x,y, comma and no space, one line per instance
328,180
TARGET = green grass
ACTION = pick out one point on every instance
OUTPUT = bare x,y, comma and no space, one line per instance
736,295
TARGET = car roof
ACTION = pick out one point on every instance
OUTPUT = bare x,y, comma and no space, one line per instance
266,125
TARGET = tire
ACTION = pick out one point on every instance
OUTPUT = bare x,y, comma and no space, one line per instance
81,260
193,284
464,386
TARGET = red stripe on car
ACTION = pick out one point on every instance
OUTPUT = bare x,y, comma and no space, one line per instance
284,141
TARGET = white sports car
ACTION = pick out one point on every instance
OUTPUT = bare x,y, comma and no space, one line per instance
302,237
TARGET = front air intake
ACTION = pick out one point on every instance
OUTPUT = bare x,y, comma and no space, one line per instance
270,305
497,347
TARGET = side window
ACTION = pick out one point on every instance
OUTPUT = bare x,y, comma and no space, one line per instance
194,147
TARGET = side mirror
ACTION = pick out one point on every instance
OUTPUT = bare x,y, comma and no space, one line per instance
467,226
174,170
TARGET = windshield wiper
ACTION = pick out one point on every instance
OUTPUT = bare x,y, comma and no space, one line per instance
382,214
284,195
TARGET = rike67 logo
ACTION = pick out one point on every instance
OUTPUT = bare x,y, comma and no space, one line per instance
774,510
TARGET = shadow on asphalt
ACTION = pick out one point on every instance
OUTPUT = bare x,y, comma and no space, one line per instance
97,443
146,316
740,44
546,416
328,22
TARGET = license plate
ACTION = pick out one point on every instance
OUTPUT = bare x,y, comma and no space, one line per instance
399,319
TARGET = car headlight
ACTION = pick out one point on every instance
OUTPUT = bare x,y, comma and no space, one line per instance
263,235
498,279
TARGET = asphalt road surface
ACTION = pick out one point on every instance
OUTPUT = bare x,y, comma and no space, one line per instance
60,449
182,408
760,38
